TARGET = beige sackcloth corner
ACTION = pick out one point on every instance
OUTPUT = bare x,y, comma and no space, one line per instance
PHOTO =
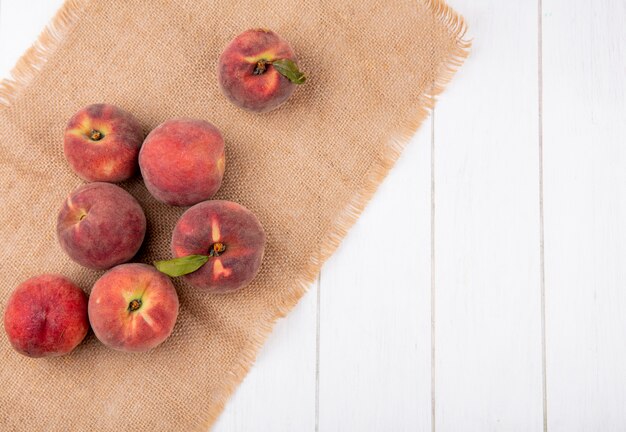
306,170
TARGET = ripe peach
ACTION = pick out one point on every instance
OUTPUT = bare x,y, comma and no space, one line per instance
182,161
133,307
257,71
102,143
100,225
46,316
230,235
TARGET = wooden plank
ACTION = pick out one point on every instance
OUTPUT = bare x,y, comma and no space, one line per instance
488,369
374,355
279,392
584,136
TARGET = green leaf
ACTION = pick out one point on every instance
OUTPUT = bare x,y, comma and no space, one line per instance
181,266
289,70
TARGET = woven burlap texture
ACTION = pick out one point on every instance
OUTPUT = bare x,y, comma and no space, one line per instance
306,170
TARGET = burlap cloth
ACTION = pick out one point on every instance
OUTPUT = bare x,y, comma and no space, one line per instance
306,170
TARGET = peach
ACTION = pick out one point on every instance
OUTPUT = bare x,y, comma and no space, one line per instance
102,143
182,161
257,71
133,308
46,316
231,239
101,225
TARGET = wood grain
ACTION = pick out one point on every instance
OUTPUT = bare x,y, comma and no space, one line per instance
584,66
279,392
487,284
375,309
359,356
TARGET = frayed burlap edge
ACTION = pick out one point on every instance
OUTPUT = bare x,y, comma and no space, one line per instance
35,57
346,219
27,67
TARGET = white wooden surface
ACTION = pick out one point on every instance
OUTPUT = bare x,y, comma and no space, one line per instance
487,286
584,145
502,305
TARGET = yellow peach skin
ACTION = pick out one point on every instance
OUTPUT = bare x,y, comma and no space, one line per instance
230,234
182,161
102,143
246,75
133,308
101,225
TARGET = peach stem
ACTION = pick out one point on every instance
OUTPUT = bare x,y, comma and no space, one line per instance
260,68
95,135
217,249
134,305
